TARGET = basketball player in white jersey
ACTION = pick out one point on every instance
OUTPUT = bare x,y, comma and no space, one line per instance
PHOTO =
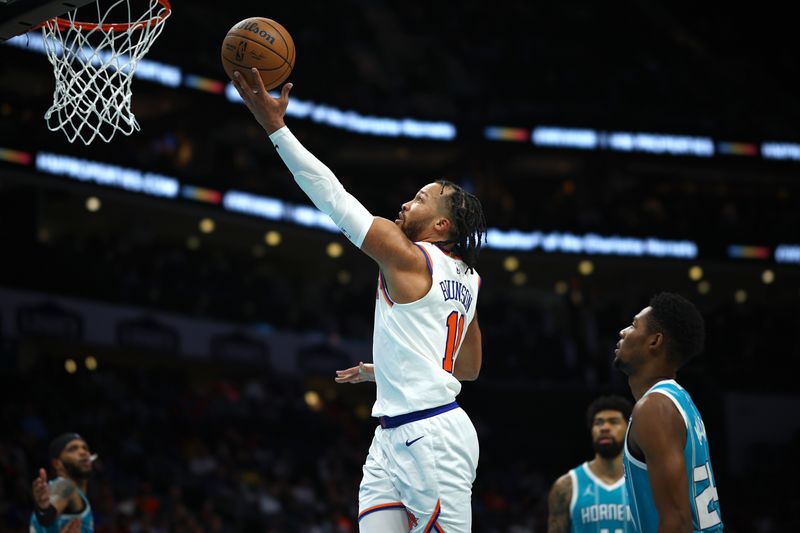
420,468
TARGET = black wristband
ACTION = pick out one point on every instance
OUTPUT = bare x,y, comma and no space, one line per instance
46,516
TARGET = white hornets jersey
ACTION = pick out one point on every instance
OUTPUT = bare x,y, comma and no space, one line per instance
415,345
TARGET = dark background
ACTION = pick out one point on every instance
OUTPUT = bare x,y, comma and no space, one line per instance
225,445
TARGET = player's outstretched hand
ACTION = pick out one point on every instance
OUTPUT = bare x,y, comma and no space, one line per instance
41,491
357,374
268,111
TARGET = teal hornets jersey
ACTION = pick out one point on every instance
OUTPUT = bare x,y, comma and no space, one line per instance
86,518
702,489
595,506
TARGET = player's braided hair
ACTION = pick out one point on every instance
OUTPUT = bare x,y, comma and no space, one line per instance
469,224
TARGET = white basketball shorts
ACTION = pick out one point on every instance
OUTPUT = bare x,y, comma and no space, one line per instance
426,467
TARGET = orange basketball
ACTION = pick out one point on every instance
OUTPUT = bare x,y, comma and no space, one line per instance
261,43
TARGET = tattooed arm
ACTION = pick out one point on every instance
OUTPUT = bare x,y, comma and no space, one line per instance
52,500
558,505
64,495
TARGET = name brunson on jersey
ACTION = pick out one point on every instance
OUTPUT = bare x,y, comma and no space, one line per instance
453,290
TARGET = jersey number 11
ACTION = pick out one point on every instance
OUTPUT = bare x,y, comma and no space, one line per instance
455,327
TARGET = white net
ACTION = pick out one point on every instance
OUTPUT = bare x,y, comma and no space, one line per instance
94,63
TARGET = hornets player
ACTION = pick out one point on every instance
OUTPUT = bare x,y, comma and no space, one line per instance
668,474
61,504
420,468
590,498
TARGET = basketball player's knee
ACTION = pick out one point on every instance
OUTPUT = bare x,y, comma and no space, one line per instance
386,521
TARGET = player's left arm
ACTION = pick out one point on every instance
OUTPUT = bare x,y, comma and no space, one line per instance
357,374
660,432
470,356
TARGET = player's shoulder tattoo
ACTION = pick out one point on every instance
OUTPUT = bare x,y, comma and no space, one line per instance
63,488
558,505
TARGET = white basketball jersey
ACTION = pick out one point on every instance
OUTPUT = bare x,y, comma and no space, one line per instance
415,345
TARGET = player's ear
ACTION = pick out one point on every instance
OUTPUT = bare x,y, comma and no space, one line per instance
56,464
656,341
443,226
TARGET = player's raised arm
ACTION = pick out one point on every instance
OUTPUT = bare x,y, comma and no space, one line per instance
380,238
660,432
51,501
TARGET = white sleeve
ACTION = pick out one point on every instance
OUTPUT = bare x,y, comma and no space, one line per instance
321,186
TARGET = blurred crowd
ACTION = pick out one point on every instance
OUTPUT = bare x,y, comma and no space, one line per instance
184,449
571,328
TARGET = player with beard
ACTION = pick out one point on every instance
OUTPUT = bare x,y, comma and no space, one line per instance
420,468
61,504
590,498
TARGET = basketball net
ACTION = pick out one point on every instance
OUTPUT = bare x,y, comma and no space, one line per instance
94,63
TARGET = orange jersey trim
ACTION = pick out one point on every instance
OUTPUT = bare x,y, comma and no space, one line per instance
381,507
427,257
432,522
382,288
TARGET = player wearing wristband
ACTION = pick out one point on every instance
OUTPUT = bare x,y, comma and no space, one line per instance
61,505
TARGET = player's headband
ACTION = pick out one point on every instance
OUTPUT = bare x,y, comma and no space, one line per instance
59,443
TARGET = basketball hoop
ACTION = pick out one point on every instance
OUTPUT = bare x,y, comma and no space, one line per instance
93,63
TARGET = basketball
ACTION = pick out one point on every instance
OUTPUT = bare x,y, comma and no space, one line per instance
261,43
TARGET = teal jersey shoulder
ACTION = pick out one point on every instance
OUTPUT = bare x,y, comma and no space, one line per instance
703,500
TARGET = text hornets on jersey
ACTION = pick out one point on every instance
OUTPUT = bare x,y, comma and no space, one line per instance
453,290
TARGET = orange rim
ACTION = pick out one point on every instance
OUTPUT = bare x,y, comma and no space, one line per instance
65,24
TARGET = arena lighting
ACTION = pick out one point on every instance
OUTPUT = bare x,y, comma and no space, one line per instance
252,204
107,175
586,267
93,204
575,138
353,121
204,84
582,139
15,156
704,287
272,238
561,287
619,141
787,253
655,143
742,251
735,148
506,134
303,215
511,263
780,150
589,243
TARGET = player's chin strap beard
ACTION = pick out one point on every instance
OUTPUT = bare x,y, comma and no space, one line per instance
75,472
